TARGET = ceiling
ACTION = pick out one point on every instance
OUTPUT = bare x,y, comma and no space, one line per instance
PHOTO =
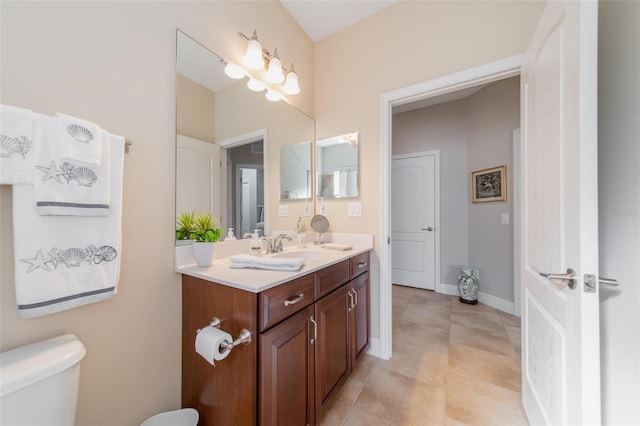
321,18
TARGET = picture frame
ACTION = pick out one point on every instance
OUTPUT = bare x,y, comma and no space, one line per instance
489,185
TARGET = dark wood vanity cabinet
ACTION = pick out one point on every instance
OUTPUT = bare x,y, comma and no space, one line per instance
333,354
287,363
307,335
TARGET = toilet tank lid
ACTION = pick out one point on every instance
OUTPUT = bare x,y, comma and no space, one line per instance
29,364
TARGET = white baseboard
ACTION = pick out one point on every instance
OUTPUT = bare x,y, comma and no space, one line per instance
374,347
484,298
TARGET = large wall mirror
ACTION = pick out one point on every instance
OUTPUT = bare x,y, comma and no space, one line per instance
227,139
337,166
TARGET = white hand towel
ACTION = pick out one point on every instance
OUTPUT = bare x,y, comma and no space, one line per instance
80,140
64,187
62,262
16,145
274,264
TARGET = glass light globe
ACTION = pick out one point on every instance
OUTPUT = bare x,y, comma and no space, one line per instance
274,73
234,71
291,84
256,85
253,57
273,96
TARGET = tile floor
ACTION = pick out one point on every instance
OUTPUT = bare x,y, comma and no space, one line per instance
453,364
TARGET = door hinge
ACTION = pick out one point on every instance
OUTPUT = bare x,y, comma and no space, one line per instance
388,240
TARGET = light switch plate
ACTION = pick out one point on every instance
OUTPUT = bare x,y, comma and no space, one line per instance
355,209
323,209
505,218
307,210
283,210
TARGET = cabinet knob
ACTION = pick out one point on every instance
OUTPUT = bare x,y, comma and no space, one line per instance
362,264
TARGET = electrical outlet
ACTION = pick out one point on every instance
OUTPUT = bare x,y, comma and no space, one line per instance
307,210
323,209
283,210
505,218
355,209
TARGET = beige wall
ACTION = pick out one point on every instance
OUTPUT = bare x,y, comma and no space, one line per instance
114,63
405,44
195,110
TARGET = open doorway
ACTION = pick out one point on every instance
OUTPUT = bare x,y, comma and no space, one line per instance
245,195
404,97
244,176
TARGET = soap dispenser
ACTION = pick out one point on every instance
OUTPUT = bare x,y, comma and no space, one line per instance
256,243
301,237
230,236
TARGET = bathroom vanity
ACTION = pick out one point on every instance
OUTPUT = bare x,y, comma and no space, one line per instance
309,329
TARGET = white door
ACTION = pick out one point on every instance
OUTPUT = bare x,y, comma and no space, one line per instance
198,183
248,206
560,325
413,221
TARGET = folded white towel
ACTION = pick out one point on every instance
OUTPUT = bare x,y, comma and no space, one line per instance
16,145
62,262
246,261
80,140
69,187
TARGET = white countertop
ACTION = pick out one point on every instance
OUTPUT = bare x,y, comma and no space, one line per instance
257,280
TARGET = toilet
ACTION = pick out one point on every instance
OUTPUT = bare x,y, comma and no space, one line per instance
39,386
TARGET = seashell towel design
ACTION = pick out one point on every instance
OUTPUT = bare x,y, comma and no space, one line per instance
80,133
83,176
9,146
71,257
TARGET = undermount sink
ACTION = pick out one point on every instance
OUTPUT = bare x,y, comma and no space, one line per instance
300,254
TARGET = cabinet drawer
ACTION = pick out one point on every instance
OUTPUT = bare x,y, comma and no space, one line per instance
359,264
330,278
279,302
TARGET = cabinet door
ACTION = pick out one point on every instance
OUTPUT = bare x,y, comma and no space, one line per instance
360,317
333,348
286,372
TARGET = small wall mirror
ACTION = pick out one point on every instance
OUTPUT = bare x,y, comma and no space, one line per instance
337,166
295,171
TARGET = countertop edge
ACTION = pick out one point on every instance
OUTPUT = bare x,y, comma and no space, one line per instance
269,279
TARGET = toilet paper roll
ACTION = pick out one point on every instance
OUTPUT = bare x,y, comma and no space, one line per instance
208,341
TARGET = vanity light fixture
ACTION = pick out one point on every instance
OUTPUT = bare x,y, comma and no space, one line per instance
253,58
274,73
256,85
291,83
234,71
258,58
273,95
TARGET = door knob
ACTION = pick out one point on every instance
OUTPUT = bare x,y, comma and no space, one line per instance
428,228
569,278
608,281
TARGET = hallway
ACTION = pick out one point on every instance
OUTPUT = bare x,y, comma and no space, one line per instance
453,364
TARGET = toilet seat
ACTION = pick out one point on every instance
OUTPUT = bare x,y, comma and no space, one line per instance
183,417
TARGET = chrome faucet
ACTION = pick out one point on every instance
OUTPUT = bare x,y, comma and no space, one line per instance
274,245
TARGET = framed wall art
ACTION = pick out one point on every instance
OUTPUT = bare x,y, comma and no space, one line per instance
489,184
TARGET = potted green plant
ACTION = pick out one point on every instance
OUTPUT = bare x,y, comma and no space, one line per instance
185,224
203,230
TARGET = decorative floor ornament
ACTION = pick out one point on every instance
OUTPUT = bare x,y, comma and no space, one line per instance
468,285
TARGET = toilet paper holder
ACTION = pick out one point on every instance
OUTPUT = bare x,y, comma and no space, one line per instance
243,338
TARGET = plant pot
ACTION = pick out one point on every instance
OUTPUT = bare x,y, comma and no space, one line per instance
203,253
468,286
